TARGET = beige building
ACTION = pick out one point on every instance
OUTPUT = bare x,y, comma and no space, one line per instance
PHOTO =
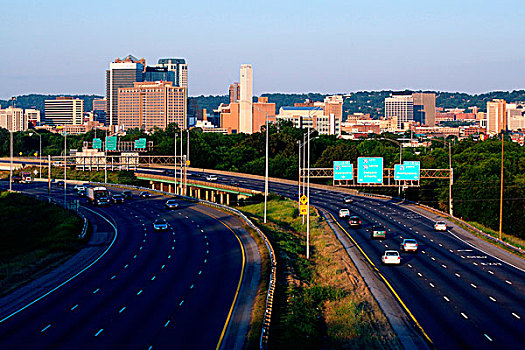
32,116
152,104
64,111
246,100
425,108
13,119
496,116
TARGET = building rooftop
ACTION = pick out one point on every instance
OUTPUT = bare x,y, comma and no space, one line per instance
300,108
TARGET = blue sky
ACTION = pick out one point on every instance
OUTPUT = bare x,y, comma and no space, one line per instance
294,46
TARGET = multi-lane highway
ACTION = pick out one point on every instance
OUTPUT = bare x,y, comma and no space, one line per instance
172,289
463,297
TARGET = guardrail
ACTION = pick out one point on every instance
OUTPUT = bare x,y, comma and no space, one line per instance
265,331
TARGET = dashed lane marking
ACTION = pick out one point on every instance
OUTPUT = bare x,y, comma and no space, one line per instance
122,310
45,328
98,333
74,307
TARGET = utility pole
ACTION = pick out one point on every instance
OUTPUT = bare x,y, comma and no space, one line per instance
175,162
181,163
65,166
266,174
106,159
11,155
49,178
451,182
501,190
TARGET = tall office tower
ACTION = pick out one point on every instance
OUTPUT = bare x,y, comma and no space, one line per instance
99,104
235,92
147,105
160,74
64,111
400,105
179,67
32,116
496,116
121,74
246,99
13,119
425,108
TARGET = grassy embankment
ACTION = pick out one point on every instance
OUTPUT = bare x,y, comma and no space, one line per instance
35,237
322,302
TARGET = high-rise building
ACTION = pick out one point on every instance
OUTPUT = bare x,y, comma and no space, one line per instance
160,74
32,116
121,74
496,116
64,111
246,100
99,104
13,119
147,105
400,105
179,67
235,92
425,108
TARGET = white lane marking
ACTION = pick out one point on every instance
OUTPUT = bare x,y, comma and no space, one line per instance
441,245
45,328
126,266
432,285
207,243
172,248
191,287
143,241
491,272
181,303
516,315
475,264
206,237
167,323
386,245
135,256
74,307
433,258
140,248
473,285
423,252
444,266
457,275
100,331
169,256
122,310
200,272
409,265
508,282
163,266
486,336
205,261
207,252
446,299
419,274
113,277
450,250
96,291
465,316
152,278
140,292
492,298
74,276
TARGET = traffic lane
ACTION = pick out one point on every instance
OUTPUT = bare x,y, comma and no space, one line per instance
88,284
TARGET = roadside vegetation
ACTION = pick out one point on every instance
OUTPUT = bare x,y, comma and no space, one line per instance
321,302
35,236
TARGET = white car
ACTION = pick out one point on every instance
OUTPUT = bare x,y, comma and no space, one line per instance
440,226
343,213
391,257
160,225
211,177
80,188
409,245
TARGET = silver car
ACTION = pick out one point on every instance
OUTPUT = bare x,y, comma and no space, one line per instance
409,245
391,257
160,225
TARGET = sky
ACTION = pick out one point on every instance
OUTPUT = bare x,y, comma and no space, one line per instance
339,46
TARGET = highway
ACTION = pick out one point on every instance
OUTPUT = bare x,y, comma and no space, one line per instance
461,296
158,290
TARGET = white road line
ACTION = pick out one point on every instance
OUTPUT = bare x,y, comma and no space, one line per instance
181,303
96,291
432,285
508,282
172,248
423,252
135,256
492,298
419,274
205,261
191,287
207,252
457,275
45,328
475,264
486,336
409,265
433,258
516,315
140,248
169,256
167,323
450,250
113,277
163,266
200,272
152,278
122,310
491,272
100,331
473,285
465,316
74,307
140,292
446,299
441,245
444,266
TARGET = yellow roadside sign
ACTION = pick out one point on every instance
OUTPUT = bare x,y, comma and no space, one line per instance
303,209
303,199
188,163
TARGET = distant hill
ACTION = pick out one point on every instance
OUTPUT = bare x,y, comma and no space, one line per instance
38,101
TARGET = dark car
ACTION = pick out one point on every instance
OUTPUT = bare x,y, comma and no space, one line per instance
16,178
117,198
354,221
171,204
127,195
169,172
144,194
60,183
378,232
234,183
81,193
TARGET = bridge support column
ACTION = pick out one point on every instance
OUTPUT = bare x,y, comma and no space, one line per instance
221,198
227,199
161,186
206,194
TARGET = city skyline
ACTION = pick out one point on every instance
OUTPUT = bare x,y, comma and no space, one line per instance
293,47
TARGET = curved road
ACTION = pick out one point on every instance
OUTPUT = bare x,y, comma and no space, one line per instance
170,289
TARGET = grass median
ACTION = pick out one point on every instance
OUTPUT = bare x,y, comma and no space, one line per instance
321,302
36,237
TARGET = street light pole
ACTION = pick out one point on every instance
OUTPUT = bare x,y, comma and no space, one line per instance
299,178
106,159
65,166
175,162
11,164
266,174
181,163
308,204
451,182
501,190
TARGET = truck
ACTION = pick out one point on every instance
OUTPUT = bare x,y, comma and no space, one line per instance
26,177
98,195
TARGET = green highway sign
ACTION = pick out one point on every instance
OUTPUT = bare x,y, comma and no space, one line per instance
97,143
140,143
343,170
111,143
370,170
409,170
